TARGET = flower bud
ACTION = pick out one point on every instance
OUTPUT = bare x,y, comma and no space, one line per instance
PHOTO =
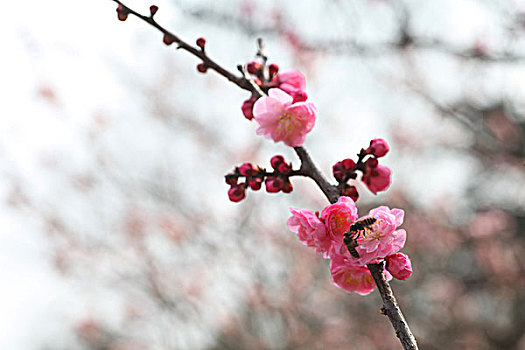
339,171
399,266
122,13
377,179
201,42
287,186
201,67
247,169
378,148
231,179
273,184
168,39
237,192
247,107
253,67
276,161
371,163
350,191
153,10
348,164
284,168
256,183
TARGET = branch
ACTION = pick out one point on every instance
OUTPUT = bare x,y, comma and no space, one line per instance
309,169
391,308
169,37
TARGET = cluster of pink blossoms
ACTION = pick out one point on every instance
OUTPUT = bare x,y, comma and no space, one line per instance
381,241
283,115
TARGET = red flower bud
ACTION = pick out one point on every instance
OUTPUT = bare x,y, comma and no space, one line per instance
231,179
339,171
256,183
201,67
273,184
122,12
371,163
253,67
287,186
153,10
247,107
273,69
201,42
348,163
284,168
276,161
399,266
378,148
168,39
350,191
237,192
377,179
247,169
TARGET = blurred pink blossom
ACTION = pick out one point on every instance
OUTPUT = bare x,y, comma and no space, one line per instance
310,230
282,120
399,265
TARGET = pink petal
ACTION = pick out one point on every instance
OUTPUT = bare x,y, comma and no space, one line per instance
280,96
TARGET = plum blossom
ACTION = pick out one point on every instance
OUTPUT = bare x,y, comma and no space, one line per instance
352,278
293,83
380,239
282,120
399,265
338,217
310,230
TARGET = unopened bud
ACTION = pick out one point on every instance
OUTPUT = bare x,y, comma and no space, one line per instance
201,42
168,39
273,69
350,191
253,67
202,67
276,161
237,192
153,10
287,186
247,169
122,12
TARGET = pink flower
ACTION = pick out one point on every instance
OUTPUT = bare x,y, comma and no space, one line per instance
310,230
377,179
281,120
339,217
378,148
399,265
352,278
378,240
290,81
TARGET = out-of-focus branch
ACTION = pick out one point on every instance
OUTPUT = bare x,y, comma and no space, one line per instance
309,169
352,47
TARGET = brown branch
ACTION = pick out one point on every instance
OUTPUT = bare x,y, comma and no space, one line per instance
241,82
309,169
391,308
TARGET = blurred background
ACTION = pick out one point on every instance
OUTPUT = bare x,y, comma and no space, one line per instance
116,229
